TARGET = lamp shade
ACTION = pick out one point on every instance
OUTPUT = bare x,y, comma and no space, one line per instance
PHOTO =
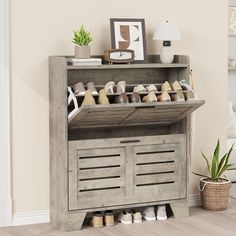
167,31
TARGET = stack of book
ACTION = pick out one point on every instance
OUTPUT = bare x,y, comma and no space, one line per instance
84,62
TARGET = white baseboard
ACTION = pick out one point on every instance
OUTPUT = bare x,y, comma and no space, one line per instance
5,212
37,217
28,218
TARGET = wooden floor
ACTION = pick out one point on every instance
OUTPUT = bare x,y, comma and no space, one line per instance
200,223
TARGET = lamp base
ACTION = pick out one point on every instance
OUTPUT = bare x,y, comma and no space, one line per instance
166,54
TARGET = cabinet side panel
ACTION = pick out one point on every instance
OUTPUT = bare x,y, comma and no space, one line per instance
58,138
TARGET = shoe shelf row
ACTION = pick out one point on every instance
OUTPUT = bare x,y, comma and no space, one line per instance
117,156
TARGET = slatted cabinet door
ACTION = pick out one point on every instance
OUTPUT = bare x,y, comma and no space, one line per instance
95,177
160,171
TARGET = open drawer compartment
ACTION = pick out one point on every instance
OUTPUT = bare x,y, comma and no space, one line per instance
133,114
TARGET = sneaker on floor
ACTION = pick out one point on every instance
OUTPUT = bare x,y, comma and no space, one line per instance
137,217
149,214
125,217
161,212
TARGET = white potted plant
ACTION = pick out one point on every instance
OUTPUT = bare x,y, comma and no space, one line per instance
214,186
81,39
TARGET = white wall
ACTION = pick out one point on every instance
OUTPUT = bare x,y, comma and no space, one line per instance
232,74
43,28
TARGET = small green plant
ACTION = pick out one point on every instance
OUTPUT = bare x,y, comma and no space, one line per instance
82,37
217,166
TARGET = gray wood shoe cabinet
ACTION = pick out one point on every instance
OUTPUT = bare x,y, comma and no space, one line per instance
117,156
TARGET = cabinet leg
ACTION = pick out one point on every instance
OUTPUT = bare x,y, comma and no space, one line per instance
73,221
180,209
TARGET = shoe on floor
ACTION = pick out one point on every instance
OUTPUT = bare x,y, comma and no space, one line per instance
151,97
122,98
161,212
120,87
178,97
109,218
139,89
166,86
151,88
97,219
176,86
79,89
88,99
164,97
125,217
137,216
149,214
109,87
135,98
102,97
91,87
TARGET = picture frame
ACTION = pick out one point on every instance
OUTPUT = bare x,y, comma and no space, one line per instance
127,33
232,21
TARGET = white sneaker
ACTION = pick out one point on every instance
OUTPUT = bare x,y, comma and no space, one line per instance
137,217
125,217
149,214
161,212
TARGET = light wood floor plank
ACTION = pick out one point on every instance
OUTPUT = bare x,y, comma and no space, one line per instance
200,223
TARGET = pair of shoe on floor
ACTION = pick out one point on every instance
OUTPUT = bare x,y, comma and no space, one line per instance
99,220
149,213
129,217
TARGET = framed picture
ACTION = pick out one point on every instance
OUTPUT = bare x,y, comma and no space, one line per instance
129,34
232,21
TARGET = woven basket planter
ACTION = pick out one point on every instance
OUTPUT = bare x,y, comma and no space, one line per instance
214,196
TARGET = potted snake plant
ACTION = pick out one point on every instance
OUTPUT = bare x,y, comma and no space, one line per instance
82,39
214,187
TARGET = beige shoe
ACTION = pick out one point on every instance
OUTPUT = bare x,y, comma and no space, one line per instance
79,89
176,86
151,88
109,87
88,99
120,87
178,97
97,220
166,86
139,89
164,97
190,95
151,97
102,97
109,218
91,87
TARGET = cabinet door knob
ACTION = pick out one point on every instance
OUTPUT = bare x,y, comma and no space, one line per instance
130,141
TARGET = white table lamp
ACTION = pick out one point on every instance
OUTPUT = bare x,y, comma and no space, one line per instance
167,32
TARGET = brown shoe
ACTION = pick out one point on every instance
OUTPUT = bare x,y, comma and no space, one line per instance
102,98
97,220
176,86
134,98
109,218
166,86
91,87
79,89
88,99
151,97
178,97
122,98
164,97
